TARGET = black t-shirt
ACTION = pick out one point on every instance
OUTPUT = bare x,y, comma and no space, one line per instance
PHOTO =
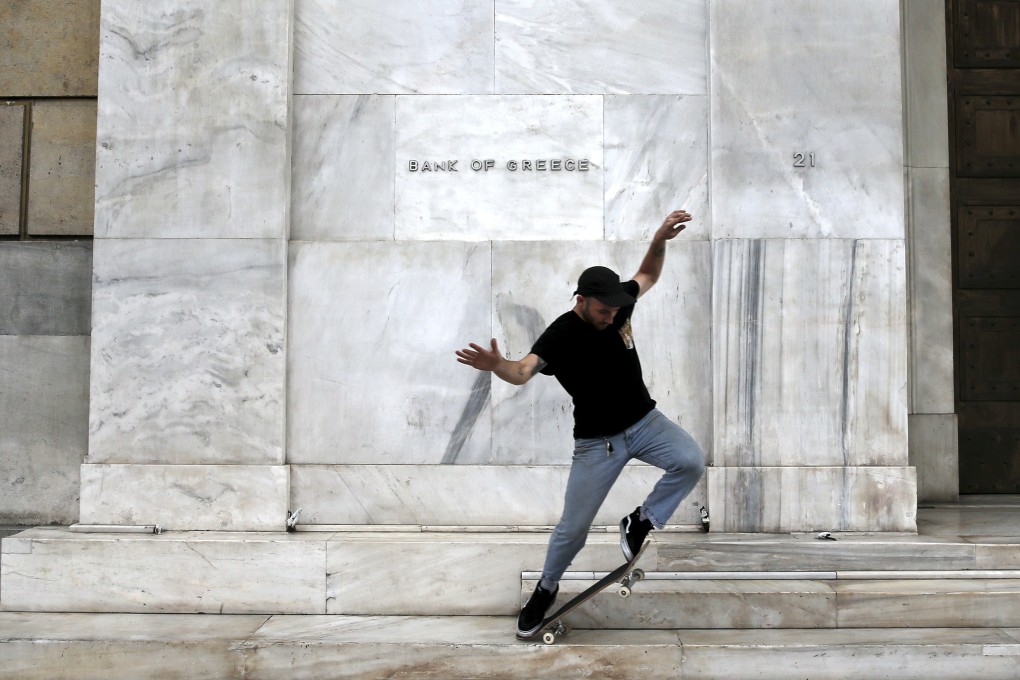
599,369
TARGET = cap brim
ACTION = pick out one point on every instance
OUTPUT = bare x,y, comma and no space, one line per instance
620,299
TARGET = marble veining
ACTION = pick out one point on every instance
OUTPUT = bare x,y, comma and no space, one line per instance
373,375
343,170
781,86
571,46
186,497
393,47
809,346
192,136
656,161
187,351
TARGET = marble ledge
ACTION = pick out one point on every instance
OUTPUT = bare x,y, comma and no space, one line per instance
456,495
186,497
783,499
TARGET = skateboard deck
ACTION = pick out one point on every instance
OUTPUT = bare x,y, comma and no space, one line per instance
553,626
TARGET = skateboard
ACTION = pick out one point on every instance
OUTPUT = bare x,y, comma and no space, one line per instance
553,626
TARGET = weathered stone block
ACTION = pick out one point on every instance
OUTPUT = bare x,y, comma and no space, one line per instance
44,386
45,288
50,48
61,199
12,153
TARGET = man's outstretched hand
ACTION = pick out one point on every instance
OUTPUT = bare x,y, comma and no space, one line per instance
478,357
672,225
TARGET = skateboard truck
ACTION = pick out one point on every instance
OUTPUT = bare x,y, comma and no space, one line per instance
704,519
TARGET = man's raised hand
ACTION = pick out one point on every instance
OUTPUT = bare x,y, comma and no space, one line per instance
673,225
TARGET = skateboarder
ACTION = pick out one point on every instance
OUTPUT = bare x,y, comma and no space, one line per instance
591,351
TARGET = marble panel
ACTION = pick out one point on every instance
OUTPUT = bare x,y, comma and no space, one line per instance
393,47
186,497
656,150
844,654
819,79
803,552
44,646
935,453
781,499
12,153
62,180
730,603
189,572
532,286
810,350
956,603
44,437
446,647
924,63
546,202
343,168
929,252
459,495
420,571
188,352
372,374
45,288
193,119
643,47
51,48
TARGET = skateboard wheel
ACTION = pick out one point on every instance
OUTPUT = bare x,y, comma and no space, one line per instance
638,574
625,591
549,637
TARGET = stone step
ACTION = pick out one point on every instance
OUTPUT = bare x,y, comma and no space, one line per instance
116,646
741,603
416,573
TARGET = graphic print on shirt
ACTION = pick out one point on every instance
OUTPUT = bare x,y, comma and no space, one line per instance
627,333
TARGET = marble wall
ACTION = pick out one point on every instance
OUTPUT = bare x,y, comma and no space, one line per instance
791,280
191,225
394,163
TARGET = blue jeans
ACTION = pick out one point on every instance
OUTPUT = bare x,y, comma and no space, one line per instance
597,464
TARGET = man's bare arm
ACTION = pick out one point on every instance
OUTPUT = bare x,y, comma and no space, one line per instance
513,372
651,267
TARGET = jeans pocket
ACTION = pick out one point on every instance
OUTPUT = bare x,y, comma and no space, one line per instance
583,448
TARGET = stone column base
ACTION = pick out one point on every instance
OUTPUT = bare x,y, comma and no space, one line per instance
784,499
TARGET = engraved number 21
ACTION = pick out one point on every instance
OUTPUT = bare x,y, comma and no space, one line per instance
803,160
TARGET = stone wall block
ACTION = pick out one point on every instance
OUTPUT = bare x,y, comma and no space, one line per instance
187,497
12,155
188,351
50,48
44,432
62,180
810,352
193,137
45,288
781,86
548,47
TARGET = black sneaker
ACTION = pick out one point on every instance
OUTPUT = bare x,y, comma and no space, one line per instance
633,532
533,613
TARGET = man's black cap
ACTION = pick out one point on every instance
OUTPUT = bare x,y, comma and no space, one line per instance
604,285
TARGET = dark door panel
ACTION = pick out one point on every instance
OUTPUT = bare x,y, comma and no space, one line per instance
984,112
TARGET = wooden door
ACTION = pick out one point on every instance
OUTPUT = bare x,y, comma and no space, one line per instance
984,115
